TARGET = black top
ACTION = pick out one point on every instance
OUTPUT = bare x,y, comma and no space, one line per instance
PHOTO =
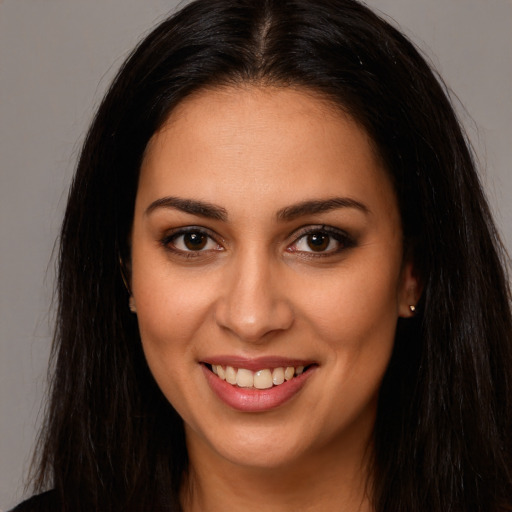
46,502
49,502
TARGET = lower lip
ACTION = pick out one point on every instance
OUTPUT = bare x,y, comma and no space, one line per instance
256,400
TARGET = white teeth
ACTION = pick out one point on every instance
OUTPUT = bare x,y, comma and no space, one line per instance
278,376
230,375
262,379
244,378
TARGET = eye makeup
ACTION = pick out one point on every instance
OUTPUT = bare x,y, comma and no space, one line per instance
320,241
312,241
191,242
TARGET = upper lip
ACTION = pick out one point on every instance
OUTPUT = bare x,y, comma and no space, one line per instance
258,363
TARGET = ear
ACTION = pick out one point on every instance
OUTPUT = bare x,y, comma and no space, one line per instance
410,291
126,273
132,305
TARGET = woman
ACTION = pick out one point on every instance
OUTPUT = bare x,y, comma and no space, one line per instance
280,285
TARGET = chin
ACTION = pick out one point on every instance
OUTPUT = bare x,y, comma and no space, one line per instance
261,447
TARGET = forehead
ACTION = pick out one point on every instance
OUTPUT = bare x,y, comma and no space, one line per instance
277,145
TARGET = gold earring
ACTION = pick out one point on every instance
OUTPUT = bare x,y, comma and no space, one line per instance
412,307
131,304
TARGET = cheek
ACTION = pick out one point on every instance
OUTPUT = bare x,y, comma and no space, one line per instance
171,301
355,305
171,311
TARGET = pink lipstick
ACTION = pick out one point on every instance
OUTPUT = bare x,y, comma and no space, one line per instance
256,385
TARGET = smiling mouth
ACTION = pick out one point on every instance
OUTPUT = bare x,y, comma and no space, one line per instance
265,378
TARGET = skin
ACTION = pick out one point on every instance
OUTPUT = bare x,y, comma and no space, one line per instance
257,288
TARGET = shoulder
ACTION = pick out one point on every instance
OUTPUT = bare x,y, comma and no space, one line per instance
46,502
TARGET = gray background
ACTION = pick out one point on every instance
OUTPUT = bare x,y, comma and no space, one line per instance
56,59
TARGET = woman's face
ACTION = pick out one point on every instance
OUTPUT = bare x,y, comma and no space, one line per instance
267,246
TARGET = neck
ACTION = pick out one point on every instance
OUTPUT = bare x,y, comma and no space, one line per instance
333,479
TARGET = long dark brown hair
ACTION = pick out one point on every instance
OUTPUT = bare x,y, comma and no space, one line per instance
443,435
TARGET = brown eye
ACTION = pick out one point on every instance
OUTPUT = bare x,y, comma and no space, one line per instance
195,241
318,241
324,241
191,241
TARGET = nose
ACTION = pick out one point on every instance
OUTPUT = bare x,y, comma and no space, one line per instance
254,304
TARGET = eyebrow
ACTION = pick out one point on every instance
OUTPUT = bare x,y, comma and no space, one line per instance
319,206
211,211
192,206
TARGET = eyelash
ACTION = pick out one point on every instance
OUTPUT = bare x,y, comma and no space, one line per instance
343,240
169,241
